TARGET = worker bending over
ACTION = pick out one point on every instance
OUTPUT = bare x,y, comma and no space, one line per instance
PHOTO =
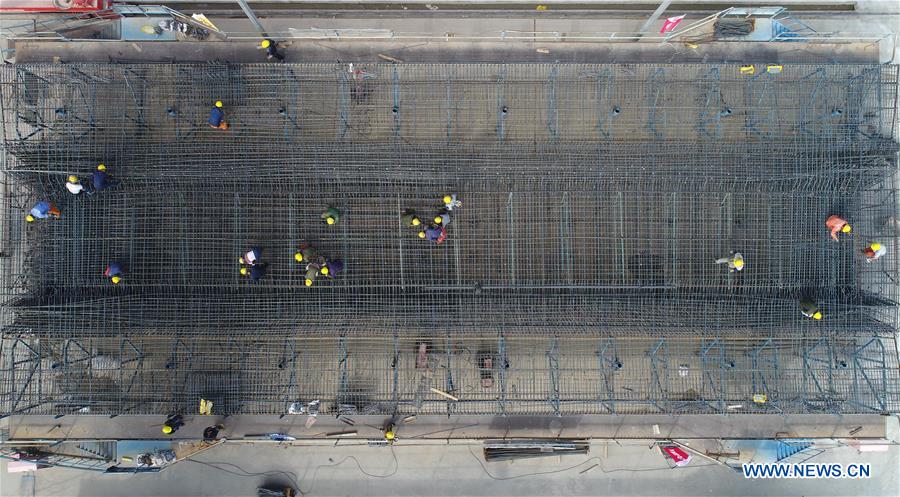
874,251
735,261
114,272
410,219
809,309
332,268
217,117
331,216
42,210
74,186
251,257
837,225
172,424
434,233
442,218
390,434
308,254
312,271
101,179
256,271
450,202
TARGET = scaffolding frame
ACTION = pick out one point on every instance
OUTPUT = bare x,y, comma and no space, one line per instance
596,199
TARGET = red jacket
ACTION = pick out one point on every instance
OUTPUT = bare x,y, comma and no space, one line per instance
836,224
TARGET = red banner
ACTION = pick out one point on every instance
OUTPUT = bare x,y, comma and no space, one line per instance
677,454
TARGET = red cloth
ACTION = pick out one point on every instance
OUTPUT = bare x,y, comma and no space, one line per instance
670,24
677,454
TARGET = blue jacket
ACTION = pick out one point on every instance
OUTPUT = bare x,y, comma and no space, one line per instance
41,210
113,269
257,272
100,179
334,266
433,233
216,116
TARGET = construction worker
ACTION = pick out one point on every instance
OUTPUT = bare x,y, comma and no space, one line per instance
735,261
874,251
172,424
42,210
332,268
251,257
389,434
837,224
450,202
211,433
114,272
442,218
307,254
809,309
434,233
255,272
73,185
312,270
271,48
101,179
217,117
410,219
331,216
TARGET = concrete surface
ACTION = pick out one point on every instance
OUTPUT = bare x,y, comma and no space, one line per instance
475,37
434,51
465,427
623,468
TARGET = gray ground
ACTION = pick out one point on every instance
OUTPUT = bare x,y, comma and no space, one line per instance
627,468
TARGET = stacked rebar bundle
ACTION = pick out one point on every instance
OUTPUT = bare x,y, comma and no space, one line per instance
508,450
578,274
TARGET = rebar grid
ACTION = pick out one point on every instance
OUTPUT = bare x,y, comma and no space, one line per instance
108,110
595,202
528,375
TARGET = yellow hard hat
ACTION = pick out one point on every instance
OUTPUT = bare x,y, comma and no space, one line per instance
875,246
421,233
739,263
29,218
298,257
166,429
416,221
817,315
101,167
389,435
329,220
448,199
324,270
438,220
241,259
265,43
219,104
309,282
73,179
116,279
846,229
244,271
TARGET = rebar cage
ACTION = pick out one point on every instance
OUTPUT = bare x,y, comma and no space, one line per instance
578,276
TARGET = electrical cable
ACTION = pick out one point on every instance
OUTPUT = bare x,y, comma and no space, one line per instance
244,473
293,476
